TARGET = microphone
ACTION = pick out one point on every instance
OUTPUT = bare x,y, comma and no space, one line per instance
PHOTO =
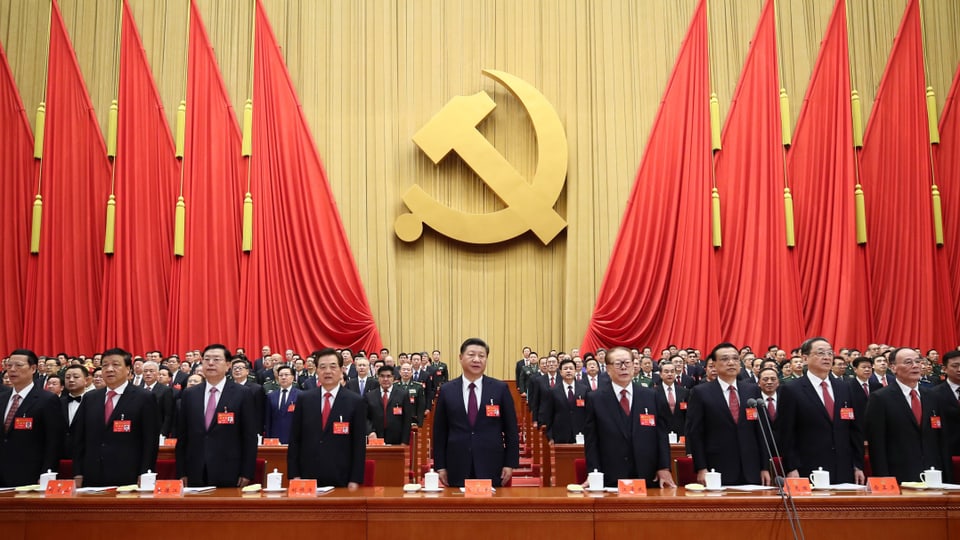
793,517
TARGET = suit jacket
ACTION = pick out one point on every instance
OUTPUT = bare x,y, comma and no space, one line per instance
735,450
898,445
563,418
179,380
105,456
808,439
537,390
221,453
259,402
949,410
586,381
618,445
67,452
481,450
316,451
891,380
695,373
416,398
307,381
278,420
519,369
354,385
859,399
25,454
394,428
437,375
165,405
674,421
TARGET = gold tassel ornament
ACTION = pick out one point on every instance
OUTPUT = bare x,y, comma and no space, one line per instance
786,134
246,148
861,215
715,214
35,225
179,227
181,128
247,243
857,113
39,131
932,116
715,122
109,239
788,213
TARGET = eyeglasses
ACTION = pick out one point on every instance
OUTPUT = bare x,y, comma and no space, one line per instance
823,354
622,364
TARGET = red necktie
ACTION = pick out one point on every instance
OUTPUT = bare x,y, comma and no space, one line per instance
472,404
771,410
827,400
672,401
866,389
108,406
593,383
552,381
325,411
734,404
915,405
13,412
384,400
624,402
883,380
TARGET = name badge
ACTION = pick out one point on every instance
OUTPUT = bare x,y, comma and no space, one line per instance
291,407
177,387
412,399
493,411
648,420
580,403
122,426
23,422
751,413
225,418
439,372
935,422
683,405
397,411
341,428
846,413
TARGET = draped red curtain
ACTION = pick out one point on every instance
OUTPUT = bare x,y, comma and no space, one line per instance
834,281
64,281
204,303
146,173
660,285
759,284
947,163
300,286
908,273
17,187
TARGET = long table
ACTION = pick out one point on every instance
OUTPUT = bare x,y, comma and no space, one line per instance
391,462
564,456
527,513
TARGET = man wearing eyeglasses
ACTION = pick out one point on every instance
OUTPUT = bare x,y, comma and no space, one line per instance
904,428
723,433
625,438
816,423
33,425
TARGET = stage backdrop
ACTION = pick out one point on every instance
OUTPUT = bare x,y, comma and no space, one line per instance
370,73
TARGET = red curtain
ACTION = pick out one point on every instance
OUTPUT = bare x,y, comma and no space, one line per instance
947,163
660,285
205,285
911,290
64,280
758,279
833,278
300,287
136,278
17,187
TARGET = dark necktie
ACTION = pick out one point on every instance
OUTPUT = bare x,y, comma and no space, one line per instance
570,394
283,399
827,400
866,389
74,398
472,404
13,412
624,402
771,410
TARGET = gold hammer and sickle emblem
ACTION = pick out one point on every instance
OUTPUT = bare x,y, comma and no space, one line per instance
529,204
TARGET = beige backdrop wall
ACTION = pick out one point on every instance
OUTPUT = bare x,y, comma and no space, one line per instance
370,73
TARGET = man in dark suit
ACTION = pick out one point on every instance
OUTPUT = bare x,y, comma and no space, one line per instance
280,406
437,374
475,431
389,414
540,386
520,365
861,385
240,373
364,382
163,394
33,424
117,428
671,400
258,364
564,408
623,444
948,396
328,434
881,372
815,421
76,379
308,379
903,439
591,376
217,428
723,433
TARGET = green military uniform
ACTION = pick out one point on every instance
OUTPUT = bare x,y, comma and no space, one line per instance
269,385
526,374
644,381
418,401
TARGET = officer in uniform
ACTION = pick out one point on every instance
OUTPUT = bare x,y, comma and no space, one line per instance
414,390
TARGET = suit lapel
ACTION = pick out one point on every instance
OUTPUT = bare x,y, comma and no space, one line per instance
716,391
811,394
904,406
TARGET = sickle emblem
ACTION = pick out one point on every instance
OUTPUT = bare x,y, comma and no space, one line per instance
529,204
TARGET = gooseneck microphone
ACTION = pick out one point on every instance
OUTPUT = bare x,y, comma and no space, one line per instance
789,507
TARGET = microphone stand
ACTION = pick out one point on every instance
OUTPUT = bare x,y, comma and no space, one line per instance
793,517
